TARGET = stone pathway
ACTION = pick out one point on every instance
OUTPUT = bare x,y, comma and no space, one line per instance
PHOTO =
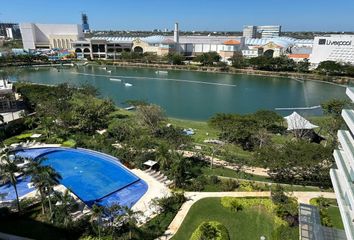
302,197
219,162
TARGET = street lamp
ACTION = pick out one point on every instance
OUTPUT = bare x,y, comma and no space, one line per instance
262,238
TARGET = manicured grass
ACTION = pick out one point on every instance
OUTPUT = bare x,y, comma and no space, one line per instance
250,223
202,129
334,214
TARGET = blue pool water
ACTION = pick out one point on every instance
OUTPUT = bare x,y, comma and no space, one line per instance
92,176
7,191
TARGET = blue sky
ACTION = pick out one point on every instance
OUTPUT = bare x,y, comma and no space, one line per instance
293,15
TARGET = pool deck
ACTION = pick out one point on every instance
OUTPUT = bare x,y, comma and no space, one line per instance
155,190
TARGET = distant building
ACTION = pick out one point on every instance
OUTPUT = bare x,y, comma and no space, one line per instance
85,25
250,31
10,30
48,36
9,33
271,31
342,174
339,48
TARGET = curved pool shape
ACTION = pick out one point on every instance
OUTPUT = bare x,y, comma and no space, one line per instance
94,177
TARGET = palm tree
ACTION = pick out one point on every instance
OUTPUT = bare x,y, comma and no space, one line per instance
163,156
115,215
8,170
96,217
44,178
63,210
131,218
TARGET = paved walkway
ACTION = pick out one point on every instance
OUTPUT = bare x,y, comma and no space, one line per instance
302,197
155,190
219,162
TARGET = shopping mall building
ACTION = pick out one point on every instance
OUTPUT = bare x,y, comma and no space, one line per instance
339,48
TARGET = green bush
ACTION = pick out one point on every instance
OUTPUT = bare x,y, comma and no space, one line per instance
210,230
69,143
229,185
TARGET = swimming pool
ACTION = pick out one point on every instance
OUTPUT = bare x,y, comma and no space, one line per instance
94,177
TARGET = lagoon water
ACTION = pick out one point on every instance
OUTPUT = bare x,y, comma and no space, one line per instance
191,95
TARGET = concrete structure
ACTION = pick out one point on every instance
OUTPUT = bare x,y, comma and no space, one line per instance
250,31
342,174
9,33
48,36
270,31
339,48
6,32
7,96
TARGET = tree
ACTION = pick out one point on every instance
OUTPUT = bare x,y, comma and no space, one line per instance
8,170
150,115
175,58
334,107
303,66
2,119
267,119
131,218
96,218
238,61
179,169
208,231
208,59
44,178
90,114
62,210
297,162
163,156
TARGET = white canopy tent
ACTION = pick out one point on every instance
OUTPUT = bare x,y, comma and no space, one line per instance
150,163
297,122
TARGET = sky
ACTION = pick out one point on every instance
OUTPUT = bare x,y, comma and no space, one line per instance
211,15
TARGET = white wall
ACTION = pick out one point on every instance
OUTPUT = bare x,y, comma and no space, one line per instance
33,34
338,48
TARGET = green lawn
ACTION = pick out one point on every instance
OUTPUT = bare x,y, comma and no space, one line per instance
202,129
334,214
243,225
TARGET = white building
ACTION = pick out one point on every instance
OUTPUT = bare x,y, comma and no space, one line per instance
339,48
47,36
271,31
342,175
250,31
9,33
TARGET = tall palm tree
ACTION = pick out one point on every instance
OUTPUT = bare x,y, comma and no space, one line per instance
131,218
163,156
44,178
96,217
8,169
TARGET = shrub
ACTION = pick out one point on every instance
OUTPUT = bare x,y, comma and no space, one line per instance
210,230
229,185
69,143
214,179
